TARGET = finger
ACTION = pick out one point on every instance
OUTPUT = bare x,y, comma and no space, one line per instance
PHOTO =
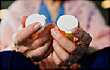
86,38
39,53
75,39
37,34
83,37
23,21
30,30
22,49
78,33
62,40
44,31
75,66
25,33
56,58
61,53
39,42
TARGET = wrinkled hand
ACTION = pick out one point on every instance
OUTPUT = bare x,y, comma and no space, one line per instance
64,47
33,41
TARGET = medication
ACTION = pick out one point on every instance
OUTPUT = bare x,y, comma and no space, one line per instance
42,20
36,18
67,24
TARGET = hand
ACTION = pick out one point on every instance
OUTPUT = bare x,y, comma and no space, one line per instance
63,47
37,47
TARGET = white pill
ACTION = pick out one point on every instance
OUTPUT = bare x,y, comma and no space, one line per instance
67,23
36,18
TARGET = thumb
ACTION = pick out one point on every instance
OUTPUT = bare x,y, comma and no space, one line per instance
20,36
40,53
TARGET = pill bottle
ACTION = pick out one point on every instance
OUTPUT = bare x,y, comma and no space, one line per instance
67,24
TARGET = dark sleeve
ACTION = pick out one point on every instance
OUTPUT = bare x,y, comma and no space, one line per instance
99,60
11,60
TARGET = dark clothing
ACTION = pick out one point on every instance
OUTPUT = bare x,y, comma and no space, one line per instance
99,60
11,60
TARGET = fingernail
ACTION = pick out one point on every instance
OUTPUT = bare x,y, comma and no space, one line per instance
56,28
53,31
76,39
37,26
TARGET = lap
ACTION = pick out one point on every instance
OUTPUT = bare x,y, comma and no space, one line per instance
97,60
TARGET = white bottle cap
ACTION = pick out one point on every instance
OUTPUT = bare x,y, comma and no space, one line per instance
67,23
36,18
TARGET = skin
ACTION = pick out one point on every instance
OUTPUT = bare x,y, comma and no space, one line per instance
25,43
56,51
59,53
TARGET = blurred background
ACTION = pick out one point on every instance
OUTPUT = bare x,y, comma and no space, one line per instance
102,5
